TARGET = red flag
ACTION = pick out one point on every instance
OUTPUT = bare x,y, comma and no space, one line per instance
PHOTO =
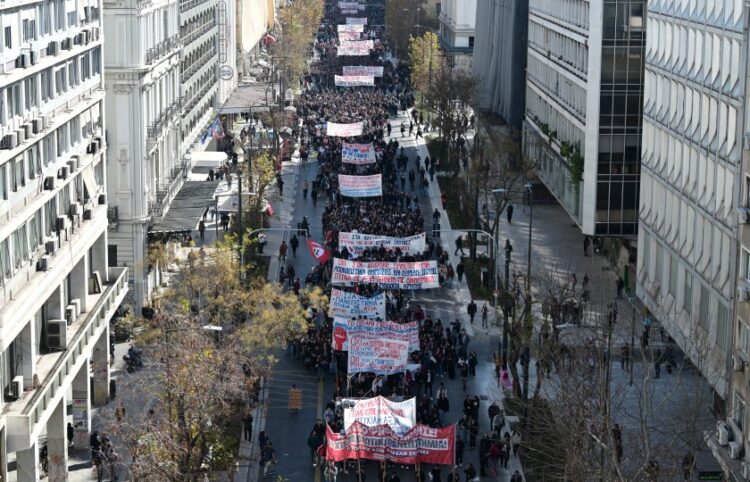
318,251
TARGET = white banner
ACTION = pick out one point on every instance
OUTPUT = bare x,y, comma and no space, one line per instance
377,355
354,80
363,70
361,186
349,36
344,130
355,48
351,6
344,328
356,20
351,305
400,416
350,28
359,154
356,243
388,275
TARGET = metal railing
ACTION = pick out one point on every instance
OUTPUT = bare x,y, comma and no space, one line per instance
162,49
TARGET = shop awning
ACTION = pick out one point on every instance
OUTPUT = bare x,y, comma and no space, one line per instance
248,98
191,202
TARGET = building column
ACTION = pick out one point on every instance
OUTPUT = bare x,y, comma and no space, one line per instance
57,444
81,408
27,464
100,369
3,456
26,347
80,283
98,260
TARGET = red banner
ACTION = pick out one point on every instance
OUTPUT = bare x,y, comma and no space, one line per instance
421,444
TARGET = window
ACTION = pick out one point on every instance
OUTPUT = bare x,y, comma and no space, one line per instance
743,337
30,92
19,180
747,191
3,182
44,18
738,414
646,252
50,214
46,83
722,326
673,276
687,301
32,161
20,247
29,30
705,299
35,230
745,264
471,42
8,38
59,14
7,269
95,60
659,263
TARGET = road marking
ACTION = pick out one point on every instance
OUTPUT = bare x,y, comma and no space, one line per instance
321,388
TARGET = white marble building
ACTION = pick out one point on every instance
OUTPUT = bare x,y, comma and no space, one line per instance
457,19
57,291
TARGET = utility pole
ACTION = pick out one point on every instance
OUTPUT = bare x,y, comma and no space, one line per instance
528,328
506,299
239,223
632,339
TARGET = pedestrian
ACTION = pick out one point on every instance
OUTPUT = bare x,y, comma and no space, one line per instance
585,281
625,356
509,213
70,433
202,230
261,242
657,364
471,308
225,221
282,251
305,187
280,184
573,281
268,459
515,441
586,244
444,201
419,133
617,439
403,130
436,474
516,477
294,244
331,470
485,313
620,286
247,426
313,442
459,246
314,196
460,451
306,226
471,473
460,270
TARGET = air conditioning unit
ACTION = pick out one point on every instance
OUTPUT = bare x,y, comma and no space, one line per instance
70,315
37,125
738,363
93,148
28,130
23,60
49,183
75,209
61,223
43,263
10,141
16,387
21,134
735,449
50,246
743,215
73,164
57,334
63,173
102,199
45,121
88,214
722,433
53,48
34,57
76,303
67,44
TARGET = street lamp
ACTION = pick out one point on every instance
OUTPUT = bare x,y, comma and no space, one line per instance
527,189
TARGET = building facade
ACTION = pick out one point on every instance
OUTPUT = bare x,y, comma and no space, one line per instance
145,165
500,57
692,150
57,291
199,70
457,19
584,89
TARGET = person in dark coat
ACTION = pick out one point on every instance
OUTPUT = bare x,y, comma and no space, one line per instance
509,213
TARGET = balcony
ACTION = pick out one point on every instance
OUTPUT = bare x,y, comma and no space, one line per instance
163,49
167,115
56,370
167,190
189,37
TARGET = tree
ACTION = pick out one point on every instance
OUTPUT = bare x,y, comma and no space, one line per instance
424,56
299,22
198,381
405,18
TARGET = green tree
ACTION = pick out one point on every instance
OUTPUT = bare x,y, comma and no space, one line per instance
424,56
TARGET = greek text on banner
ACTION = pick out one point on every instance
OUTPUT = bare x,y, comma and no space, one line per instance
399,416
354,80
361,186
388,275
357,153
421,444
357,243
381,356
355,48
352,305
344,130
350,28
356,21
344,328
363,70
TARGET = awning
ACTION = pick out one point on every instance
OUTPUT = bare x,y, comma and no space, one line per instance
248,98
191,202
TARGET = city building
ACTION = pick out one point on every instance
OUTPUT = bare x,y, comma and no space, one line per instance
500,57
199,68
456,34
584,88
145,165
254,19
57,289
690,183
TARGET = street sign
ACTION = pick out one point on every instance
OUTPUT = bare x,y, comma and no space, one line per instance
226,72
